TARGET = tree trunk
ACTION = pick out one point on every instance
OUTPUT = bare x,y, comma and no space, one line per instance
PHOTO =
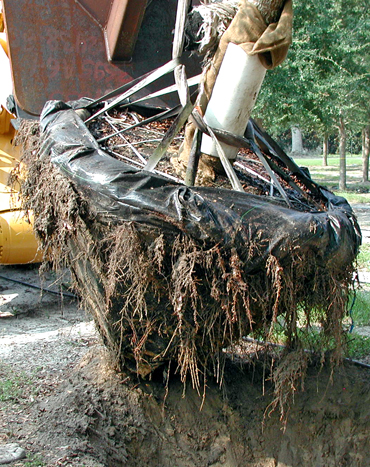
342,154
365,153
297,144
325,151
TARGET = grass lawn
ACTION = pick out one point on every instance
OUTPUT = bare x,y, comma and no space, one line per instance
363,259
357,191
333,160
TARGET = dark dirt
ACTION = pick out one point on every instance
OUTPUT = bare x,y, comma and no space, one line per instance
72,409
97,418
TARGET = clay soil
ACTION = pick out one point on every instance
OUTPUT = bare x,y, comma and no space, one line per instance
67,407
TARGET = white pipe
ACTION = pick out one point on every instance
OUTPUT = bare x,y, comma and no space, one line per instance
233,96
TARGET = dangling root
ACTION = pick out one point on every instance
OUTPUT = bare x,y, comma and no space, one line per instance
159,298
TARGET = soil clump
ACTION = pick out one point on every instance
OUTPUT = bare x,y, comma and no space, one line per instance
100,418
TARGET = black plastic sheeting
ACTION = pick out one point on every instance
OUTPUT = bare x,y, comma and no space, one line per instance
120,192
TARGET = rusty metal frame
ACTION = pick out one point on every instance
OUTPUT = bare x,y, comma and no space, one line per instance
123,28
64,55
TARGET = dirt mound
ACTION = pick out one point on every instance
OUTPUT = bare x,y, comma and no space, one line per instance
98,418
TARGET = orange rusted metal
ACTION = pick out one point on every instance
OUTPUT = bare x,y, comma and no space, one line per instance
58,50
123,28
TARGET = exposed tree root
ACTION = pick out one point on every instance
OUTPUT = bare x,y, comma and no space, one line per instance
157,298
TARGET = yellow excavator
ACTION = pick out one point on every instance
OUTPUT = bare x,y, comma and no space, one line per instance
17,241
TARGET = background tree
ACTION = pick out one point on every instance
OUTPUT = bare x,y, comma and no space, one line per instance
324,83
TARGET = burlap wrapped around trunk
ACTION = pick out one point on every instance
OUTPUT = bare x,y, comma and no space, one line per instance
249,30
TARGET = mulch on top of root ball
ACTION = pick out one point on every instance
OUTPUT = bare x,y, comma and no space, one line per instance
136,145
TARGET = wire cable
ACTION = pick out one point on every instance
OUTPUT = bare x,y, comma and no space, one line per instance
53,292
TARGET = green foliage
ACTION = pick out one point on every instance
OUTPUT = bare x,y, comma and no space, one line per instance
34,461
326,72
13,387
361,309
358,346
354,197
314,340
363,259
333,161
9,390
